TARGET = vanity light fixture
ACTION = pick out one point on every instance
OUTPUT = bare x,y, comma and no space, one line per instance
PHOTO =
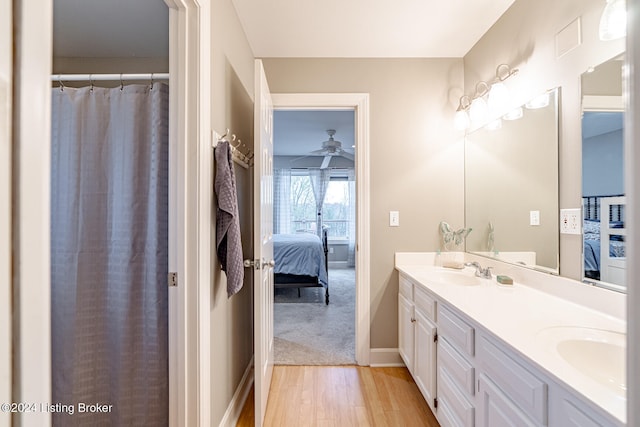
461,120
613,22
540,101
479,110
494,125
514,114
476,110
499,99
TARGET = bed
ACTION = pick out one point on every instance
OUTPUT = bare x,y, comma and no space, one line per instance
301,261
604,238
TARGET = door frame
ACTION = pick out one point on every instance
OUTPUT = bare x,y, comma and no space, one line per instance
6,83
190,178
360,103
189,214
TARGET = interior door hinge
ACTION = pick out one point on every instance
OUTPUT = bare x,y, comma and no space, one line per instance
172,279
435,337
435,402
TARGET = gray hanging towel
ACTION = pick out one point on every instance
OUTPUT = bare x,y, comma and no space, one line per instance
228,242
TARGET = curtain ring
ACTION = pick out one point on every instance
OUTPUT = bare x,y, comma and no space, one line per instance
121,83
60,82
91,83
151,88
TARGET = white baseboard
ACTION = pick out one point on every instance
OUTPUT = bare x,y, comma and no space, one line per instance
231,416
385,357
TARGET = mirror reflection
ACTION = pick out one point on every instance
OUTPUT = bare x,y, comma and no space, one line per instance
603,201
511,188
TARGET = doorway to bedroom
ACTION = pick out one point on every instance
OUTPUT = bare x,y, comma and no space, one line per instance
314,222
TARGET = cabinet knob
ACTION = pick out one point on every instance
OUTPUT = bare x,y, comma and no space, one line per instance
413,320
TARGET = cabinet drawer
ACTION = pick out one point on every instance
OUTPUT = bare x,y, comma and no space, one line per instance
457,367
571,416
424,303
456,330
459,411
522,387
406,287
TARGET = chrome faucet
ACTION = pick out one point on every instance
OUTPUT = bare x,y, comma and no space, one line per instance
484,273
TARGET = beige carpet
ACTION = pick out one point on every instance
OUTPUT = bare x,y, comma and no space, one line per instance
308,332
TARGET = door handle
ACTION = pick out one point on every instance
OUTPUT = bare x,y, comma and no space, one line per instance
271,263
250,263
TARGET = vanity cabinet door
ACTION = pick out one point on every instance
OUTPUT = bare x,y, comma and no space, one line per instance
425,357
496,409
406,331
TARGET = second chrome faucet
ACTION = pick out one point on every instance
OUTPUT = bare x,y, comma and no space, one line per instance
484,273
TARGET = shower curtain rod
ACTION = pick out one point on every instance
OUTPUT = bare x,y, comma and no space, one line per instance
104,77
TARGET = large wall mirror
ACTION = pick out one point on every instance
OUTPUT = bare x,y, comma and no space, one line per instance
603,194
511,187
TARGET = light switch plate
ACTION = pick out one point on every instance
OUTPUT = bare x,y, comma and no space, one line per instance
534,217
394,219
570,220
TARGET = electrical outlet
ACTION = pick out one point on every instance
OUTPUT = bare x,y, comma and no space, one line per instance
534,218
570,220
394,219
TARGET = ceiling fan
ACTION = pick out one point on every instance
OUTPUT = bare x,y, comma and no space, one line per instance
331,148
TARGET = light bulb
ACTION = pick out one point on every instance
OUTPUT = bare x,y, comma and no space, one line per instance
478,112
498,100
461,120
514,114
495,125
540,101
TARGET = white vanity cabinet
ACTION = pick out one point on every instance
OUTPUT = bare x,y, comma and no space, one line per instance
510,394
417,336
473,378
456,372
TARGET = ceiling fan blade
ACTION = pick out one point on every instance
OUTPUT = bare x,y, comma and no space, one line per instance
325,162
316,152
298,158
347,155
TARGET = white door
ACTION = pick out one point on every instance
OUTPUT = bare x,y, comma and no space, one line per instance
406,328
263,242
424,365
6,24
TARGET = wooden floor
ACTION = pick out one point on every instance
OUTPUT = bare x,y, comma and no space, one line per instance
342,396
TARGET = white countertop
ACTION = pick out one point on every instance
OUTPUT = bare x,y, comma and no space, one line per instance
516,314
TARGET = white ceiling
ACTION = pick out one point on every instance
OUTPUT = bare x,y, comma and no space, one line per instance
285,28
366,28
288,28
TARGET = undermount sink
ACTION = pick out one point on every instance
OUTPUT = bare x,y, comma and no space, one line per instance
596,353
462,277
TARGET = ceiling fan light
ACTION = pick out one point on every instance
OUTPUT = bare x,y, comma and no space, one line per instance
613,22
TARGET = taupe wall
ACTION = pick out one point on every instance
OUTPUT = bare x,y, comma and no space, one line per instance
79,65
232,107
416,156
524,37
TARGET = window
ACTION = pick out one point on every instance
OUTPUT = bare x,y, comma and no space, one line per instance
336,209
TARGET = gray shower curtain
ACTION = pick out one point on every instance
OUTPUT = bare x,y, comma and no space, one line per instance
109,255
